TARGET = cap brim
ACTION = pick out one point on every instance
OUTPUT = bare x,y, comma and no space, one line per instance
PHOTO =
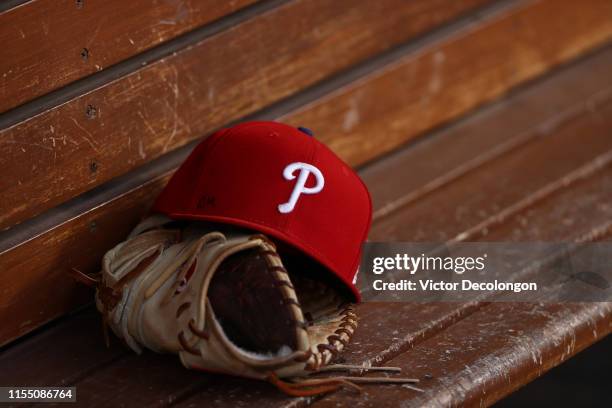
278,235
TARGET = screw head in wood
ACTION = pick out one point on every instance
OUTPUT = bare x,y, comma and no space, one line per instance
91,112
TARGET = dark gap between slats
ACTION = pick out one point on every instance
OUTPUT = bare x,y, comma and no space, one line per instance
9,4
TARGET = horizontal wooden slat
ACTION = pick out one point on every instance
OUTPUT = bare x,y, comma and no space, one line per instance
491,193
40,267
442,81
577,213
506,126
78,346
47,44
232,391
94,137
488,355
583,207
74,243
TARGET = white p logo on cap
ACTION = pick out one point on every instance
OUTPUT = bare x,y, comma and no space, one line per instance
300,185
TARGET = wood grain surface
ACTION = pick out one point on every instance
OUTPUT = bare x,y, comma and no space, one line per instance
75,243
40,266
535,166
487,355
539,168
170,95
101,134
473,353
444,80
498,130
96,370
47,44
482,351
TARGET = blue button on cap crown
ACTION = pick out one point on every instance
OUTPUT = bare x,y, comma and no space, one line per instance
305,130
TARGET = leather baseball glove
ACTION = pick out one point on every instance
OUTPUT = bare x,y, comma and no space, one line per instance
222,299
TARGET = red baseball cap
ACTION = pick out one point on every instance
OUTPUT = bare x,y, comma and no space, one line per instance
281,181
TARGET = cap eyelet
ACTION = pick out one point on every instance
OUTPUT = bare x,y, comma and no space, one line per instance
306,131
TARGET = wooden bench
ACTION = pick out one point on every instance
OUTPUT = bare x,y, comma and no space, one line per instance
468,120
